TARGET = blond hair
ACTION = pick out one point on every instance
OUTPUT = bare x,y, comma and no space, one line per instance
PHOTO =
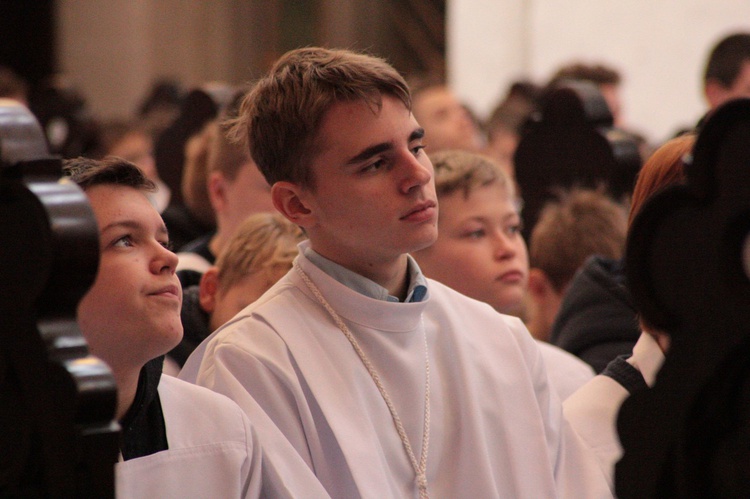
264,242
462,171
195,175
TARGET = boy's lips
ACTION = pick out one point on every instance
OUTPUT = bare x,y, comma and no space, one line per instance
422,211
512,276
170,291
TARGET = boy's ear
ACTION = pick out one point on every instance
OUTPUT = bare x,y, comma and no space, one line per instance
715,92
287,198
216,187
539,285
209,288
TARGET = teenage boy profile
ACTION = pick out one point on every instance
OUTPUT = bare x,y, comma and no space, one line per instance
177,440
388,384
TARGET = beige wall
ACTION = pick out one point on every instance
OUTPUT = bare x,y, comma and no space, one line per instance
659,46
113,50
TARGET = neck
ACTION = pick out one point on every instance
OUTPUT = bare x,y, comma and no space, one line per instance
392,274
127,385
393,277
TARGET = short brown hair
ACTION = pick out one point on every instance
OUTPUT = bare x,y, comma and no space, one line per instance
111,170
598,74
725,61
462,171
224,154
580,223
281,114
264,242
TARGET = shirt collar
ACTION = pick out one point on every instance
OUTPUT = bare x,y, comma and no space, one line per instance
417,284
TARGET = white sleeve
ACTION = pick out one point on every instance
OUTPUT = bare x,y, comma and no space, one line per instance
576,470
266,391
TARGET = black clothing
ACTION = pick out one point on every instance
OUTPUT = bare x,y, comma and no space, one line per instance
597,321
628,376
195,324
143,429
182,225
199,246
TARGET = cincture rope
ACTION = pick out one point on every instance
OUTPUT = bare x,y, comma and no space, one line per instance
420,468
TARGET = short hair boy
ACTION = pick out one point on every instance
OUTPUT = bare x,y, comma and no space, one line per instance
579,224
481,253
258,255
384,381
448,122
177,439
234,189
727,73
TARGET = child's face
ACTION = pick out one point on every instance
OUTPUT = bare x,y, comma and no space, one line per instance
448,123
132,312
247,194
480,251
229,302
374,197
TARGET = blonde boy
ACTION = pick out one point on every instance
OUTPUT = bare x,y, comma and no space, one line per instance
481,253
258,255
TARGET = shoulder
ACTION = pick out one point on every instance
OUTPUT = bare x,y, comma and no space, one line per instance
448,302
567,373
564,361
194,414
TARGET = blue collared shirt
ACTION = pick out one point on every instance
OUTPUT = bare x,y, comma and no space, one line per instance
417,284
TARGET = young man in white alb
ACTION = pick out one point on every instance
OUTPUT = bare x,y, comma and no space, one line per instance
387,384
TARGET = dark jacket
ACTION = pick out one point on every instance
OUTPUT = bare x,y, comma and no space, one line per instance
195,324
597,321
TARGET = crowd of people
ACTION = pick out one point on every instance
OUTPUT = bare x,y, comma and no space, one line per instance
328,290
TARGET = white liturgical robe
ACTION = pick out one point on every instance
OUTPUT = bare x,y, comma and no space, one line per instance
213,452
495,429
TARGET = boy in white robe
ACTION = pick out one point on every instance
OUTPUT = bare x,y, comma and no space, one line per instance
481,253
178,440
387,384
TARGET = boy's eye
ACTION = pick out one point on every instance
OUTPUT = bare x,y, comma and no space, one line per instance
417,149
168,245
513,229
475,234
373,166
123,242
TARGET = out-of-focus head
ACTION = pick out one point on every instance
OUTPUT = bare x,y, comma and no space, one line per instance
280,116
447,122
506,123
606,78
479,250
578,224
727,73
131,142
194,183
13,86
236,186
665,167
259,254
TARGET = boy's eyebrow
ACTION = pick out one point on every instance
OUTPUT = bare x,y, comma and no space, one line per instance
130,224
382,147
